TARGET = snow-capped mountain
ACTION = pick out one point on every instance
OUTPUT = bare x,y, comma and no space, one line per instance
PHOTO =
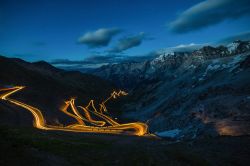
206,92
128,75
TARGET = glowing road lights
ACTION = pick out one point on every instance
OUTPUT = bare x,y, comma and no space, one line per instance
104,124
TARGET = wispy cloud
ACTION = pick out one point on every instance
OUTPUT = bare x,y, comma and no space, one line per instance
185,47
99,38
67,61
92,61
128,42
96,61
239,36
208,13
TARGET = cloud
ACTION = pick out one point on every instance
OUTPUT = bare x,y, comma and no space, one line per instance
67,61
185,47
128,42
240,36
208,13
92,61
80,64
244,36
96,61
103,58
99,38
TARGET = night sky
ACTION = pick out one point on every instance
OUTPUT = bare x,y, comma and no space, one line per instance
104,31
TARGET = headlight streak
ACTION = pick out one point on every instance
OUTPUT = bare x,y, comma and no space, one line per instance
97,126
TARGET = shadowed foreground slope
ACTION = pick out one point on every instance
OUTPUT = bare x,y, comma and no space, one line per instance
47,88
29,146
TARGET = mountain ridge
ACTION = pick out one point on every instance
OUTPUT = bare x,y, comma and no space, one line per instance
139,70
47,88
205,92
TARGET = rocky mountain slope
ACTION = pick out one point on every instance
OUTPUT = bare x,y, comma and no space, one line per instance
46,88
188,95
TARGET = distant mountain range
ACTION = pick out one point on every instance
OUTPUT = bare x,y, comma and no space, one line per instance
188,94
128,75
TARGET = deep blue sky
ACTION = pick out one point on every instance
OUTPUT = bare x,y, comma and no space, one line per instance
50,29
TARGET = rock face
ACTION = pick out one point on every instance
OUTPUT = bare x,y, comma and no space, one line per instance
47,88
203,93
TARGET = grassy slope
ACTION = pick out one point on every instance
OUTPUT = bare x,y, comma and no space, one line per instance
29,146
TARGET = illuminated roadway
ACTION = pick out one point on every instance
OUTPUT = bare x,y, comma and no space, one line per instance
105,125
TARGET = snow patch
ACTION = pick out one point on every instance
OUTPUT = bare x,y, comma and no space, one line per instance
169,133
232,46
213,67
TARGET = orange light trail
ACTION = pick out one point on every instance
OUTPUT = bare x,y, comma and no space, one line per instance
96,126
